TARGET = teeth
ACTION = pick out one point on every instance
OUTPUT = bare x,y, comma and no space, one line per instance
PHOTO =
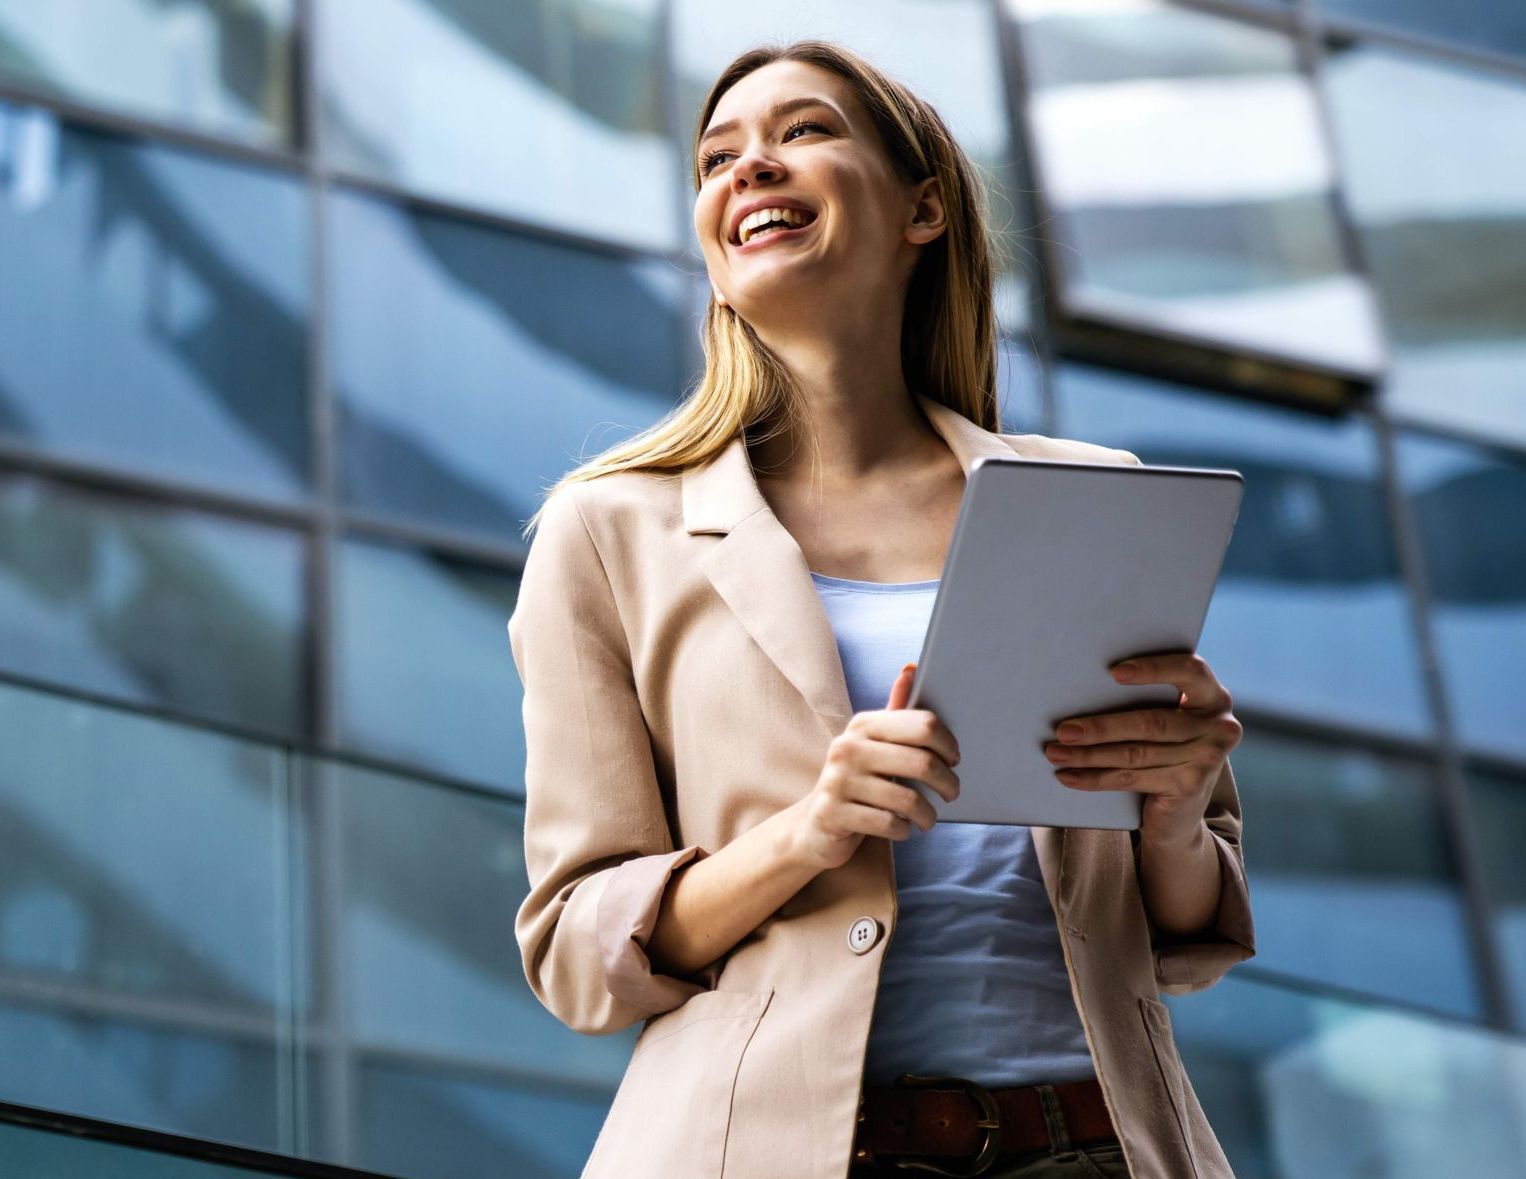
753,221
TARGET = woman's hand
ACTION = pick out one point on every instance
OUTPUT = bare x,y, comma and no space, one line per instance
1171,755
856,795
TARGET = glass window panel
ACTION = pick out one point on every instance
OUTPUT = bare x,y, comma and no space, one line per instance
225,69
424,670
959,71
1297,1085
1183,158
1499,805
153,313
1352,883
1020,387
157,605
472,367
1446,241
1469,507
1494,26
548,111
429,873
431,1125
1310,616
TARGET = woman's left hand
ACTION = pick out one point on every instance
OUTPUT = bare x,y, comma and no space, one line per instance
1171,755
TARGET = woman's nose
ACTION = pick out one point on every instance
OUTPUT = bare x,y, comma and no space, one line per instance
752,169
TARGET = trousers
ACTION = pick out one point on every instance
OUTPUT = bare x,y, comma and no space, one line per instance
1099,1159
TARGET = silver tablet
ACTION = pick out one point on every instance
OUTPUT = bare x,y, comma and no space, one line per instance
1056,571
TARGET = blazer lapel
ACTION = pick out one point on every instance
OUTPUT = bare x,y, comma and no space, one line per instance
761,573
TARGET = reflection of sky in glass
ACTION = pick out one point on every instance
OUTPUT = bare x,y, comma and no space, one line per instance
474,368
1500,806
414,94
1470,508
1494,26
425,670
187,277
185,62
168,839
1446,239
1184,156
1297,1084
1309,616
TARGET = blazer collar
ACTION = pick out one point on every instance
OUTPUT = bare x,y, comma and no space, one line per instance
761,573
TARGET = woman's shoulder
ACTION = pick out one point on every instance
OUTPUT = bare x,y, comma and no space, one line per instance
1043,446
620,503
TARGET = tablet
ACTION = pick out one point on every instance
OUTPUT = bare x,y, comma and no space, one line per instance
1057,570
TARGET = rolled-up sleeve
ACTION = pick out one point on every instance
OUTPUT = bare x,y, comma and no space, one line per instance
598,849
1187,964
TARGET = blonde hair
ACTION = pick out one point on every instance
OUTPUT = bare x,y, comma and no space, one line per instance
948,331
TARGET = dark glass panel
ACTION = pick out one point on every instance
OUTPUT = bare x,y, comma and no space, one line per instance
157,605
153,309
473,367
423,665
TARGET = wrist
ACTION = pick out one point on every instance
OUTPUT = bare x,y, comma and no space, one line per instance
789,849
1187,840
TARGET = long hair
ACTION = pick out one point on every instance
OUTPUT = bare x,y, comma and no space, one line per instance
948,330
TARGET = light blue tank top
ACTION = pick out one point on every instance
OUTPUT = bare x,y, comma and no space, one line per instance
973,983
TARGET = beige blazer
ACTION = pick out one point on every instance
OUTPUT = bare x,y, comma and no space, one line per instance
682,683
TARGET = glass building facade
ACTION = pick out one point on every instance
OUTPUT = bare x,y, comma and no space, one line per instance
304,302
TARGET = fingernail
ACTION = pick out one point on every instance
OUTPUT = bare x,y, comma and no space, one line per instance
908,667
1126,670
1070,731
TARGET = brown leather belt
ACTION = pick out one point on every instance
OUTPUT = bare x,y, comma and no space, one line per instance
947,1117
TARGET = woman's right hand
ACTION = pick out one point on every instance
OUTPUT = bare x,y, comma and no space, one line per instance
856,794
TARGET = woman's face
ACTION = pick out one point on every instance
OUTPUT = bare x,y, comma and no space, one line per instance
823,158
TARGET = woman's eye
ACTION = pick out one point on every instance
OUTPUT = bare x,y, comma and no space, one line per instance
713,158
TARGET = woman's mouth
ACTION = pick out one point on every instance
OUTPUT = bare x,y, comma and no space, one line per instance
762,236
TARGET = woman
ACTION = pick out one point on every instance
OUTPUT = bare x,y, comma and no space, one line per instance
715,838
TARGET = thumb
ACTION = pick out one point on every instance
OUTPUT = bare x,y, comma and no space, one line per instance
900,691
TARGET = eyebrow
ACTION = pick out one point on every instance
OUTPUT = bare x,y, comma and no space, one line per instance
778,109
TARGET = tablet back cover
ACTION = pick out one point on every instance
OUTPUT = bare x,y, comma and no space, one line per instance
1057,570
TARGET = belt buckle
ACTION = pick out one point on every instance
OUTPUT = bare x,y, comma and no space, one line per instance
990,1122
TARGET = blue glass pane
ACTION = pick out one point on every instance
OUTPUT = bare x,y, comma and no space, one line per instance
60,1055
550,112
1469,507
157,605
1191,185
1299,1085
428,875
1310,616
423,664
1352,882
428,1124
153,309
225,69
1446,242
1494,26
1499,804
959,71
473,367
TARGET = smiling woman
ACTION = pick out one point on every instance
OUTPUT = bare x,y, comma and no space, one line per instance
712,632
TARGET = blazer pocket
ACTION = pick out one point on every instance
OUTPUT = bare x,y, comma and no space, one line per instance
1157,1022
671,1113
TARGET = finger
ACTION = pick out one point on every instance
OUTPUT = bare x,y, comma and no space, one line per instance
1128,755
1188,670
911,726
890,759
872,790
1149,781
858,819
1165,724
900,691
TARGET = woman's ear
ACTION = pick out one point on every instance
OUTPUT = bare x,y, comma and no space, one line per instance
928,218
719,298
